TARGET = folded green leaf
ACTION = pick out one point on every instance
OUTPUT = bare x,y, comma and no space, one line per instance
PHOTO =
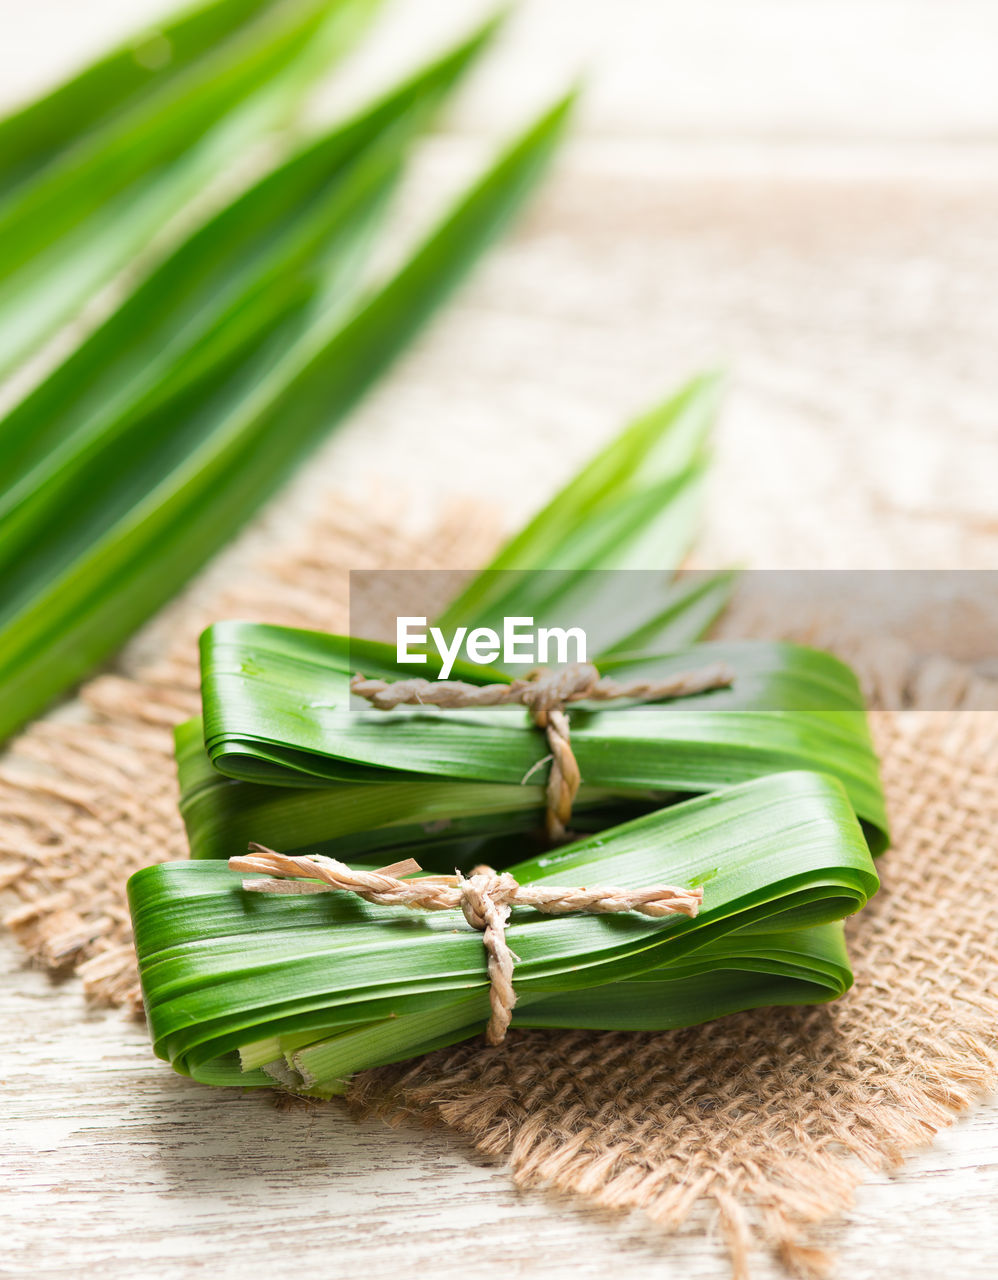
448,824
277,709
310,989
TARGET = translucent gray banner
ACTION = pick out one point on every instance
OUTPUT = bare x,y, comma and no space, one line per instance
917,639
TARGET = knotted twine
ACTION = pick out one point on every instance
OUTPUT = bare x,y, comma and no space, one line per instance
484,897
545,694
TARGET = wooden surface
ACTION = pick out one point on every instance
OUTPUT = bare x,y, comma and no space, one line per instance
114,1166
804,193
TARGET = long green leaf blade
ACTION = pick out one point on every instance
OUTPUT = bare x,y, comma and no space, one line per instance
37,133
65,232
636,505
197,306
244,453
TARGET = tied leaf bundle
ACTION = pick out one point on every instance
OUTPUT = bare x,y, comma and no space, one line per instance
484,897
278,710
164,429
253,988
764,796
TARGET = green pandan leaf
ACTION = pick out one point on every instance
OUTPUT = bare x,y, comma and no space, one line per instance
277,708
315,987
96,168
246,988
183,467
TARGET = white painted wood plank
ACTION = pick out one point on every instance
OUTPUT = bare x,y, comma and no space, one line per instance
114,1165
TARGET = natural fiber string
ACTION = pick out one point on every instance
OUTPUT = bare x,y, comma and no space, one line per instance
485,898
545,694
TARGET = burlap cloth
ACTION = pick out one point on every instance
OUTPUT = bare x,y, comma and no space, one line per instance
764,1113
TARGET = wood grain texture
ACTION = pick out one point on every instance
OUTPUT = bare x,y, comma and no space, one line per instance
806,194
114,1165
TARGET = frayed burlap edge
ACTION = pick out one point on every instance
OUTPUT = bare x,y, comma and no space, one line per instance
770,1116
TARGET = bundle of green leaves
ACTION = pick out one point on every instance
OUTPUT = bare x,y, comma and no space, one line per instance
765,794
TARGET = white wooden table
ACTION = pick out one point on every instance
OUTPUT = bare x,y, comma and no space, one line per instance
806,193
113,1166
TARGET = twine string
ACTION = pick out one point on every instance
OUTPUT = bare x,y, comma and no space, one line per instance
545,694
485,898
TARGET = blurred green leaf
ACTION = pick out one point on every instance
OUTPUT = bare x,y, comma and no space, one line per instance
107,178
155,502
41,131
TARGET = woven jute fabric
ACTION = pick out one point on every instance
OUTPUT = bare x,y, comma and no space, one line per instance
770,1115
